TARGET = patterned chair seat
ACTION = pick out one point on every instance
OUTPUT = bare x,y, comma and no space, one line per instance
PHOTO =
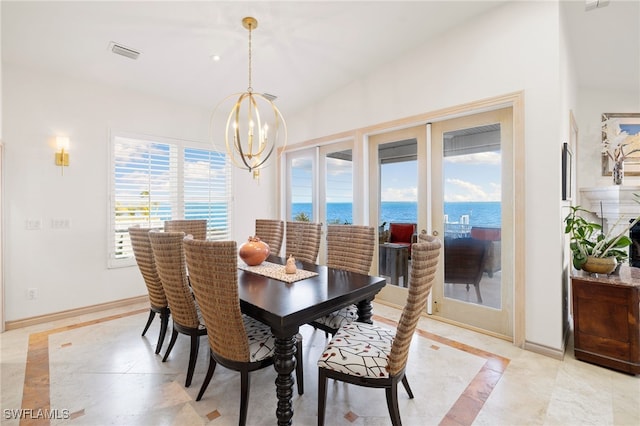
359,349
337,319
261,341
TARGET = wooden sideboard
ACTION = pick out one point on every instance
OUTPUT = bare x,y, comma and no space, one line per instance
606,319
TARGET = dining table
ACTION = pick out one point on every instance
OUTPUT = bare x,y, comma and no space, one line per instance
285,306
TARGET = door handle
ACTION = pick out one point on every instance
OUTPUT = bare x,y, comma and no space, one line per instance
435,233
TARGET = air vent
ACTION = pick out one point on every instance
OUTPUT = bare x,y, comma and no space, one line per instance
270,97
124,51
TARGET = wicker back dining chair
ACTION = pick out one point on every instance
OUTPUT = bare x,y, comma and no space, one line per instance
271,231
195,227
170,261
303,240
237,342
373,356
350,248
158,300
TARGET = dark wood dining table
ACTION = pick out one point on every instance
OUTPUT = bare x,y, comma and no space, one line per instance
286,306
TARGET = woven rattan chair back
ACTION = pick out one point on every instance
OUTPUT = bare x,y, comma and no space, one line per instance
213,269
146,264
170,263
144,258
350,247
303,240
425,255
195,227
271,231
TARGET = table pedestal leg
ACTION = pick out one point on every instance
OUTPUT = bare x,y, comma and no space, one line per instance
284,364
365,311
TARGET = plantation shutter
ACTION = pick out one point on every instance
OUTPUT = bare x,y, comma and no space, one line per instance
156,180
206,190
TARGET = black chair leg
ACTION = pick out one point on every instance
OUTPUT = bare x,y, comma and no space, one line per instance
392,404
207,378
245,383
299,366
477,286
405,382
164,324
152,315
174,336
193,357
322,395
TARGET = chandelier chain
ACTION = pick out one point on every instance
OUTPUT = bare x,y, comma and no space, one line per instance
250,89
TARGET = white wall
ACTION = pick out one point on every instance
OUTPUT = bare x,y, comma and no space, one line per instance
515,47
69,267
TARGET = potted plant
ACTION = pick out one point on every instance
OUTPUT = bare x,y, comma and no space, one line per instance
592,249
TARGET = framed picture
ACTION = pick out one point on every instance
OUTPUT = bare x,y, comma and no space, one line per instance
630,124
566,171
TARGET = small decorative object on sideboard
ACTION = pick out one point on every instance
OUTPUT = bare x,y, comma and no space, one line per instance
254,251
290,267
593,250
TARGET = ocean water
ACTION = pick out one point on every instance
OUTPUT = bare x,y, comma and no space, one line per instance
480,213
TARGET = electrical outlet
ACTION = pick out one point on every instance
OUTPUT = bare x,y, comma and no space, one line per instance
32,293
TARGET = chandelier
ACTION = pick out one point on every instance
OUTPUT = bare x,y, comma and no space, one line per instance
254,124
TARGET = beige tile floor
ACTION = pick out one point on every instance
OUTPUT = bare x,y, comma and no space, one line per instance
98,370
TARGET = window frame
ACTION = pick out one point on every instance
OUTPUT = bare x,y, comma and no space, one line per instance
176,148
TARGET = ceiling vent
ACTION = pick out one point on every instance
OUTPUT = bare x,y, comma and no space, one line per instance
124,51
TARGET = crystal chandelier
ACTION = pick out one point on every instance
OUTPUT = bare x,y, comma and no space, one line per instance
254,124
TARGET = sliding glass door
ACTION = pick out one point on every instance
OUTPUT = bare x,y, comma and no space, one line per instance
472,213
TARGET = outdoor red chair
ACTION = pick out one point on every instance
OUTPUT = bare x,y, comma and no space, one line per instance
403,233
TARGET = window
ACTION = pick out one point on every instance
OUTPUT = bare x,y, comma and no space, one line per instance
155,179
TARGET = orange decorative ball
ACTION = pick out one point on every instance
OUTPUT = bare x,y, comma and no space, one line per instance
254,251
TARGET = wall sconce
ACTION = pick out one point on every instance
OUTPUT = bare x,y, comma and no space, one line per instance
62,152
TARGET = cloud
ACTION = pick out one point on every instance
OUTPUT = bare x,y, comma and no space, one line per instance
466,191
483,158
399,194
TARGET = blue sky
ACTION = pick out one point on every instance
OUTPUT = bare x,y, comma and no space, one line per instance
474,177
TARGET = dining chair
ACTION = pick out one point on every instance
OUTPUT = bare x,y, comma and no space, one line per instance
195,227
373,356
349,248
303,240
168,251
237,342
271,231
143,254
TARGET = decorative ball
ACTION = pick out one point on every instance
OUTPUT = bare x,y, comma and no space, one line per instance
254,251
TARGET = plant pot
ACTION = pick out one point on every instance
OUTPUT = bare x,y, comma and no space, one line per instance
600,265
254,251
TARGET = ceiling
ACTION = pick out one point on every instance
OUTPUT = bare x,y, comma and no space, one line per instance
302,50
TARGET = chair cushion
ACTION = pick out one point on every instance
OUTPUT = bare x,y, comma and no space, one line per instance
339,318
359,349
261,341
401,232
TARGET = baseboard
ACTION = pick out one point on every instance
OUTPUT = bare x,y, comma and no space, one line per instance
41,319
545,350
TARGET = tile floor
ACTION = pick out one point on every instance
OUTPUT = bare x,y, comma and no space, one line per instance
97,370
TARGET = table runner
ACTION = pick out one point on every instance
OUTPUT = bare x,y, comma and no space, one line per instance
275,271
